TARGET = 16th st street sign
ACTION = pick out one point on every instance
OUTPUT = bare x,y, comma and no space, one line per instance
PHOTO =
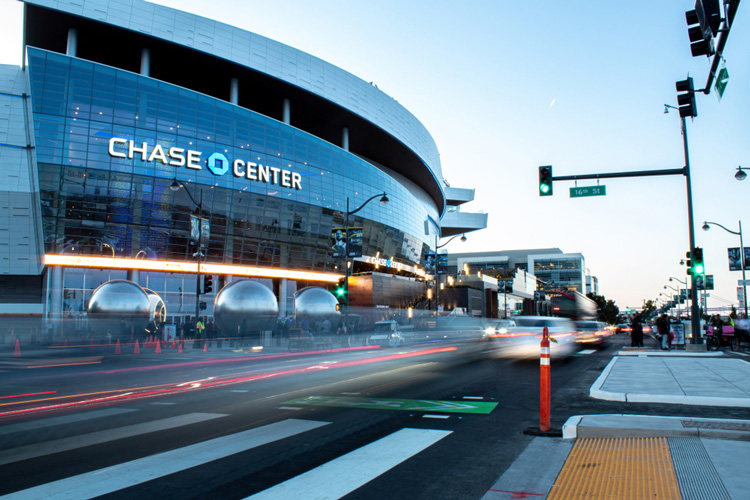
580,192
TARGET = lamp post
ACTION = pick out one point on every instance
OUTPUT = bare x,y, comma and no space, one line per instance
383,200
678,304
437,276
175,186
707,226
680,281
740,175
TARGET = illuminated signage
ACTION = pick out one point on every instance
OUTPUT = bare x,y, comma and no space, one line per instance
392,264
216,163
184,267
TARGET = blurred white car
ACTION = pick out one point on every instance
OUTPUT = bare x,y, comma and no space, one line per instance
524,340
592,332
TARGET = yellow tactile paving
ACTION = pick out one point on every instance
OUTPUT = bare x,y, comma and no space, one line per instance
617,469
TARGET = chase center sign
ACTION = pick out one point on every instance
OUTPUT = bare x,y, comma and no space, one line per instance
217,163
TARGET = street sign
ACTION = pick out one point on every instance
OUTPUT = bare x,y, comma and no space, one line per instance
722,80
580,192
743,282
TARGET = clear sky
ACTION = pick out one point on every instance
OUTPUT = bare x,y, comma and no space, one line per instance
505,86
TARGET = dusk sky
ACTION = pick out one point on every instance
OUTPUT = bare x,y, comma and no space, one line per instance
504,87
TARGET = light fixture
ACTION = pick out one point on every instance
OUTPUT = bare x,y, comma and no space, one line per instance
706,227
384,199
740,175
463,238
175,186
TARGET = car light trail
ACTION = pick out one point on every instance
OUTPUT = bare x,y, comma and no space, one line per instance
119,395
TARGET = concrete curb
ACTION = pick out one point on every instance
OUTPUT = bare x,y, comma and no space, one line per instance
624,425
596,392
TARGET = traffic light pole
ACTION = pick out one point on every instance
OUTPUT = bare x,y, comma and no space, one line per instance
695,308
695,320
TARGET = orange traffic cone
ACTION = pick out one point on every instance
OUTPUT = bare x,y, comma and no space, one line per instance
17,350
137,350
180,351
158,347
174,343
205,347
117,348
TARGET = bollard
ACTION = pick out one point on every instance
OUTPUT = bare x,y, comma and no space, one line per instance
544,383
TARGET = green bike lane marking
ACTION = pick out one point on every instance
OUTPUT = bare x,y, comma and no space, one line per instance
395,404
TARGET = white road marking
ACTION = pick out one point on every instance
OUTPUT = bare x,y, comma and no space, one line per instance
436,416
110,479
99,437
163,403
349,393
587,351
345,474
65,419
289,408
473,397
239,390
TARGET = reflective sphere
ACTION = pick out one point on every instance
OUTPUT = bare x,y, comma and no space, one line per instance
248,301
318,304
158,309
117,306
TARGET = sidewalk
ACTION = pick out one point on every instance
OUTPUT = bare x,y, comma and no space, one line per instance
640,456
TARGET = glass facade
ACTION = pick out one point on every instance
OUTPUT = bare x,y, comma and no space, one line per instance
97,203
561,273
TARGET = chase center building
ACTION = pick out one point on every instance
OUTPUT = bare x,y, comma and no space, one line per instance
119,103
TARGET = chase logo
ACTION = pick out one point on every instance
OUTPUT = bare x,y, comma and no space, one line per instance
218,164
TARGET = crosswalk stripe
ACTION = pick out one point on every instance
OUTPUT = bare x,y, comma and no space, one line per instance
99,437
110,479
341,476
65,419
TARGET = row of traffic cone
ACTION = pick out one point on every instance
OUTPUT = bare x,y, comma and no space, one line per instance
137,349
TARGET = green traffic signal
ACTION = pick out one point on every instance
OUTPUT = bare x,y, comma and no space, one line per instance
545,180
340,292
697,261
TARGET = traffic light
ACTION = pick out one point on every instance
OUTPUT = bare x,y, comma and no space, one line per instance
703,24
698,268
340,289
545,180
208,284
686,99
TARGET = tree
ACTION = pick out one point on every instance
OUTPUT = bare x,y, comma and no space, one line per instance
607,309
648,308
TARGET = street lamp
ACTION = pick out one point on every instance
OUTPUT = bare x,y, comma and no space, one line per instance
707,226
175,186
384,201
740,175
437,279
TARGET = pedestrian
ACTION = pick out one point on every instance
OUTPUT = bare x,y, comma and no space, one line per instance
636,332
662,325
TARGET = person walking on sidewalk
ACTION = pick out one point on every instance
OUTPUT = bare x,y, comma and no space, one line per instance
662,325
636,332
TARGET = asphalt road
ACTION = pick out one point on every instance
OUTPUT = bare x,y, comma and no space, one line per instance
350,423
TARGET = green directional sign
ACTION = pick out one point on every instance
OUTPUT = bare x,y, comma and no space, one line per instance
722,80
580,192
396,404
